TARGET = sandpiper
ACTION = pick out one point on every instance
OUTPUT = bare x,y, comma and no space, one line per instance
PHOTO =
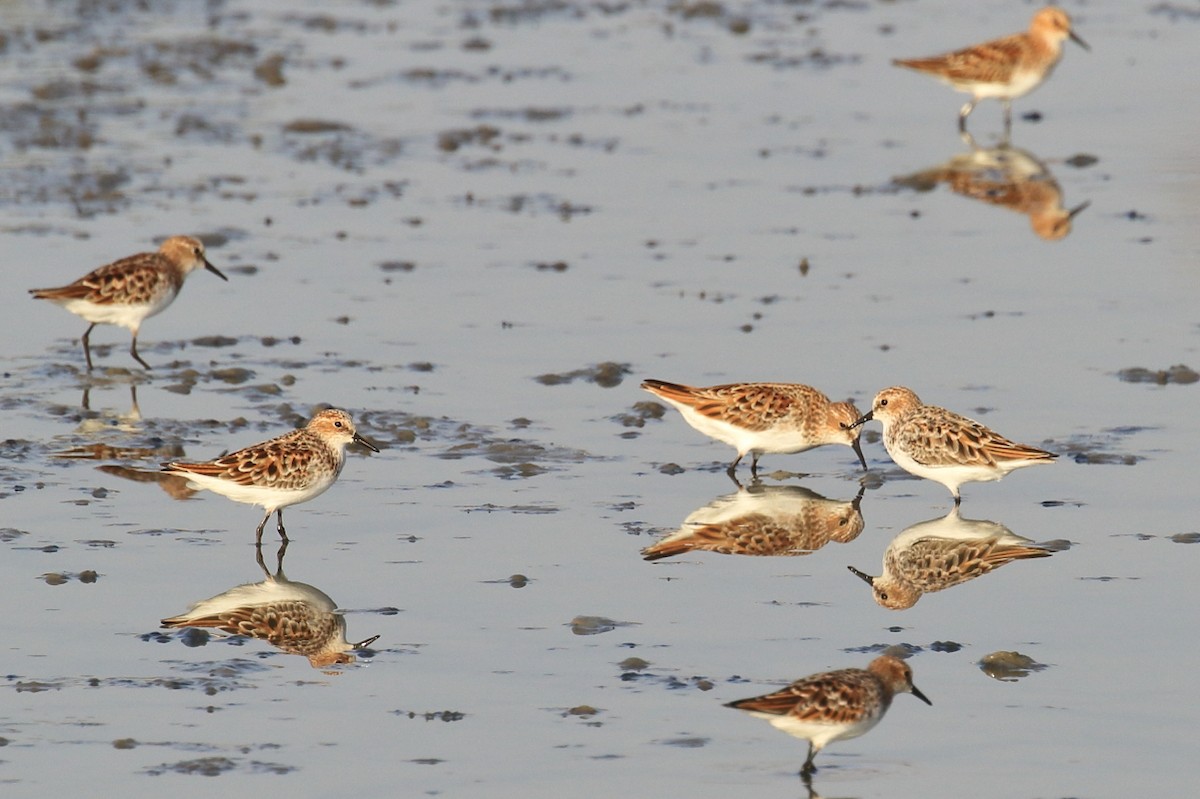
289,469
756,418
128,291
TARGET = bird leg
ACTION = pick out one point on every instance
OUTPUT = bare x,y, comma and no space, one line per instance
87,350
258,530
754,465
808,768
732,470
258,556
133,351
282,532
964,113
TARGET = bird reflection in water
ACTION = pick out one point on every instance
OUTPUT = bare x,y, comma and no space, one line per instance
294,617
940,553
1004,176
125,420
176,486
764,520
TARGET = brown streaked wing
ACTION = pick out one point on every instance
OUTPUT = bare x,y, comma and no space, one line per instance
999,448
954,438
989,62
935,564
277,463
997,556
749,406
753,534
834,697
136,275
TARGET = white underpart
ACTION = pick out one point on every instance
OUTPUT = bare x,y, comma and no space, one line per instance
258,594
269,499
782,440
127,316
819,734
954,475
1023,82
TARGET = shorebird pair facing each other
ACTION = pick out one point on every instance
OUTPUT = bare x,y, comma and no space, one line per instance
924,440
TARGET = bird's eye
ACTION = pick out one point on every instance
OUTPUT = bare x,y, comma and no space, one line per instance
883,596
882,402
337,424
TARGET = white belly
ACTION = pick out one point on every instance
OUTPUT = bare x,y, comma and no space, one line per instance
127,316
267,498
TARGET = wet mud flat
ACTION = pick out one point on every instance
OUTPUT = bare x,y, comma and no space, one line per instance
477,227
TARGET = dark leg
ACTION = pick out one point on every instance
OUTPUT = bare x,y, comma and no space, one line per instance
754,465
957,500
87,349
259,559
1007,119
282,532
258,530
133,351
963,114
732,470
258,556
808,768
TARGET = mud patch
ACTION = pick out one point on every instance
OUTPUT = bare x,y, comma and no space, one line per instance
1178,374
1009,666
216,766
606,375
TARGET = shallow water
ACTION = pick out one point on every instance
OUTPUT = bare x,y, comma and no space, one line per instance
477,227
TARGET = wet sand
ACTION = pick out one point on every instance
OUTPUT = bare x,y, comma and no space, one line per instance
478,227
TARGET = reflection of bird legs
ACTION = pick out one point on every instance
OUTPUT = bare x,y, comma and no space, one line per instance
733,476
806,779
135,411
969,140
258,556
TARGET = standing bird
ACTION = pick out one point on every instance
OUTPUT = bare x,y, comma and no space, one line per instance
940,445
128,291
763,417
1004,68
287,470
835,705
